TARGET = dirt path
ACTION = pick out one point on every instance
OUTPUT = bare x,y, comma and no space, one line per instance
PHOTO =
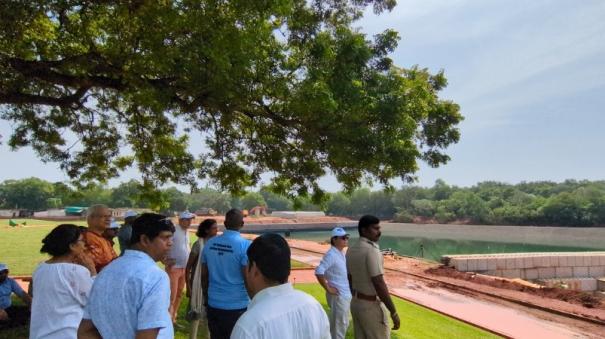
506,318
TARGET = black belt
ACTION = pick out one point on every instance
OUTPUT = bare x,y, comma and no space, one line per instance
362,296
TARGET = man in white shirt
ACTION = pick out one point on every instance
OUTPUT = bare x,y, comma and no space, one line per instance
277,310
176,262
332,276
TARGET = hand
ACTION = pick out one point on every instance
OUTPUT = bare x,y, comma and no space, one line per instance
3,315
396,321
86,261
332,290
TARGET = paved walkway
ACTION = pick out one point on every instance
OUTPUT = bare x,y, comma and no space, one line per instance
506,320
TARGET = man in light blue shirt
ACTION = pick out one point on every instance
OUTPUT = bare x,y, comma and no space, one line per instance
332,275
12,316
224,262
131,296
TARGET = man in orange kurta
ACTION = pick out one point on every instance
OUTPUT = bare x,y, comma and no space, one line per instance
98,248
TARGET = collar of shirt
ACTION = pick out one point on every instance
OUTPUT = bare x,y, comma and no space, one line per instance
365,240
231,233
271,292
336,250
138,254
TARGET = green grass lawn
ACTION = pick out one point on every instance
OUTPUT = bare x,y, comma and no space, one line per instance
20,249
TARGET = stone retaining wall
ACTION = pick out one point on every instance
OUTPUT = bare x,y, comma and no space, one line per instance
534,266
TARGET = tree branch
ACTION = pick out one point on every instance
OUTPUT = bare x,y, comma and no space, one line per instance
23,98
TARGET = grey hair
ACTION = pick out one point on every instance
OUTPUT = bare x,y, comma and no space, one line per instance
94,210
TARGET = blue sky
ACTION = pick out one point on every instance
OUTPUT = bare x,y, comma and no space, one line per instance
529,77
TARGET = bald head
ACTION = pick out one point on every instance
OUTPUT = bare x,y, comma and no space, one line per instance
234,219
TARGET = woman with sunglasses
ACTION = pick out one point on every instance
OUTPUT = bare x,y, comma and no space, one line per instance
61,285
332,275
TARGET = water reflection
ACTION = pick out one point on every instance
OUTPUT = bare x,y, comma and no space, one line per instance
433,246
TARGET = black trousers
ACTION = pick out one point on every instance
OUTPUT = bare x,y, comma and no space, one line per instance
18,316
221,322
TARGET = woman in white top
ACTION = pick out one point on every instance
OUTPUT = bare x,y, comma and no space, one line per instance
206,230
61,285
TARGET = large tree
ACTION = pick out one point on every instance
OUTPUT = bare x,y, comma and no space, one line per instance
291,88
30,193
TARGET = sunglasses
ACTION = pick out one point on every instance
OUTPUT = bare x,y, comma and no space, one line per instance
344,237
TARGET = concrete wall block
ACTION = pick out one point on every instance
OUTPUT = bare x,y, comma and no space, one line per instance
451,262
554,261
602,260
519,262
578,260
472,265
586,260
531,273
601,284
511,274
564,261
482,264
595,260
510,263
462,265
563,272
492,264
588,284
501,263
493,273
546,272
526,262
596,271
580,271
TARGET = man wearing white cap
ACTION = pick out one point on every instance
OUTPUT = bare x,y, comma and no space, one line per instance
176,262
111,232
11,316
125,233
332,275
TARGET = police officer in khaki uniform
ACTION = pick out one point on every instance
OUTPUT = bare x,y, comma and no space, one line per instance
371,297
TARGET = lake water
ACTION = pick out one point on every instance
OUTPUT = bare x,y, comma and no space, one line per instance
433,241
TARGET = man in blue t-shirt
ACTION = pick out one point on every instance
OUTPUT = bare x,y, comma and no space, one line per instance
12,316
224,262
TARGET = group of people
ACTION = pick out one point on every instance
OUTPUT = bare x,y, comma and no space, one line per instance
237,288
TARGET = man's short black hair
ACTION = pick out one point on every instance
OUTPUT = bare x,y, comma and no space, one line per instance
367,221
234,219
271,254
151,225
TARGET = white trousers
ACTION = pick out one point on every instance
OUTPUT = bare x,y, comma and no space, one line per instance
339,315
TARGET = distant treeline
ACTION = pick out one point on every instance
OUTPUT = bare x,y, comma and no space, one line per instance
570,203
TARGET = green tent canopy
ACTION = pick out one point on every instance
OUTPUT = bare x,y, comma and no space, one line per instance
75,210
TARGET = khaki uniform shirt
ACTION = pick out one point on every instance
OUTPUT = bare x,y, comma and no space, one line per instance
364,261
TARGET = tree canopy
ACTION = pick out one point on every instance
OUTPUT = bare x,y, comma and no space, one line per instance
290,88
